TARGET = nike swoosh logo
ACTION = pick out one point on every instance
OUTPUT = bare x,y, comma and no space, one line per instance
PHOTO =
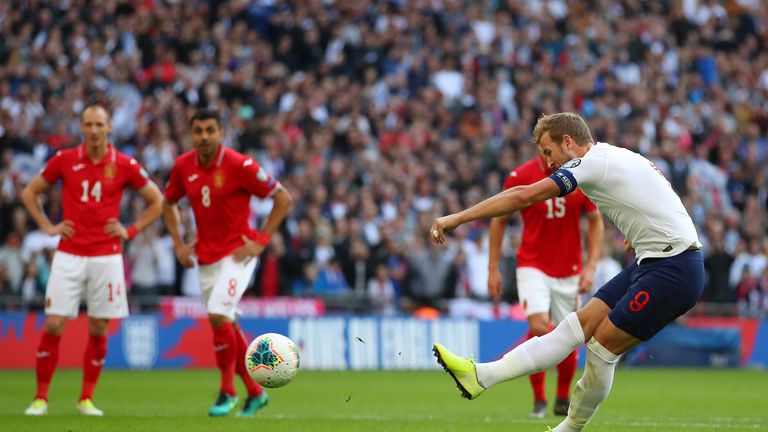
248,162
221,347
43,354
78,167
98,363
192,178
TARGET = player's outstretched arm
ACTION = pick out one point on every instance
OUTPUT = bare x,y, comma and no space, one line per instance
184,251
495,240
503,203
29,196
154,199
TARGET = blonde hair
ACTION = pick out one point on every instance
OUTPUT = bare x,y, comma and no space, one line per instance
561,124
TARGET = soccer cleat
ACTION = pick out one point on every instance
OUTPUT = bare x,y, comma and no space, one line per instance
561,406
539,410
549,429
461,370
38,407
223,406
86,407
253,404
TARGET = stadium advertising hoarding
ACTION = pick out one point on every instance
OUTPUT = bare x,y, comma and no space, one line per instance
359,343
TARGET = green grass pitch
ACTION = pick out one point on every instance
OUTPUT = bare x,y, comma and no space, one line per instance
672,400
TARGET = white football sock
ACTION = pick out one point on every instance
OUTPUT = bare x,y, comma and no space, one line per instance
535,354
591,389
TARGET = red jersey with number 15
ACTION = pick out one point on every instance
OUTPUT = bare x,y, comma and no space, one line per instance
551,236
91,194
220,196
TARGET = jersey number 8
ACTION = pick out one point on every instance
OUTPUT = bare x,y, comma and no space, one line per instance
206,192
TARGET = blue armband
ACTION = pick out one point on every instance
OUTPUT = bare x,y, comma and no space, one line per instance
565,181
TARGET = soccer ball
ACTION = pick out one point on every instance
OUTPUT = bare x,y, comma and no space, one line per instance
272,360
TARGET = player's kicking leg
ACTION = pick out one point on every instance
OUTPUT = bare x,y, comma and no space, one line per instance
257,396
536,354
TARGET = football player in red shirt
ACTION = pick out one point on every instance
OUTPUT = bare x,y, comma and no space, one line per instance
219,183
88,263
549,268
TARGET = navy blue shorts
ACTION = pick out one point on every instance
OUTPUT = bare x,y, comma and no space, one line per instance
644,298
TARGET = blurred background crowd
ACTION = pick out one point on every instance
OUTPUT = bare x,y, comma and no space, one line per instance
380,115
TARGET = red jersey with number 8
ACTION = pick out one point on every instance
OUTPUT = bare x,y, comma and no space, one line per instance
220,196
551,235
91,194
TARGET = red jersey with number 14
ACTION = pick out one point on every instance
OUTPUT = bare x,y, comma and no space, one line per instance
551,236
91,194
220,196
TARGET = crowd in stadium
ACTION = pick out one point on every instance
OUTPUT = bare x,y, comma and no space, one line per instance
378,116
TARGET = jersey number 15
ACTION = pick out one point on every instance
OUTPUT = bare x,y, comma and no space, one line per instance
555,207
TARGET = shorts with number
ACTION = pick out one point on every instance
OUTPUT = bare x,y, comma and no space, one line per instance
540,293
223,284
645,298
98,280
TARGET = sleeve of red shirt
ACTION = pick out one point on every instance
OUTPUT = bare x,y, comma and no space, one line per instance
137,176
513,179
52,170
256,180
174,190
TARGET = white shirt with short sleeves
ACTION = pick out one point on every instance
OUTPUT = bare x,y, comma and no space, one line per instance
634,194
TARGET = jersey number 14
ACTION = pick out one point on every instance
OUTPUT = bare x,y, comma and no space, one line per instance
95,192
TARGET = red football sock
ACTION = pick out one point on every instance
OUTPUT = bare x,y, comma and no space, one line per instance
565,372
224,346
254,389
537,381
47,357
93,363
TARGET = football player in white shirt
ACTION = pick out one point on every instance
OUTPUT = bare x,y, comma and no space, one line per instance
664,282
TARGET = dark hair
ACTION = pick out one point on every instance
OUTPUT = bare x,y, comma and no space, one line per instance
206,114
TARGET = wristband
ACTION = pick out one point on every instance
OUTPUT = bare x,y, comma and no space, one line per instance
261,238
131,231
